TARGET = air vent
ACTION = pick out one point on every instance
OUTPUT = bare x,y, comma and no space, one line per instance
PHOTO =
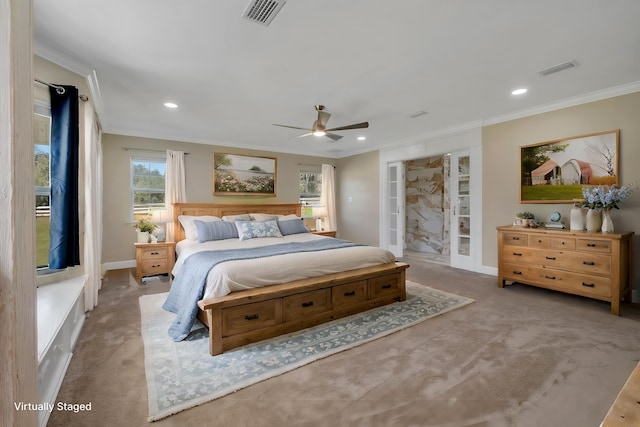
559,67
262,11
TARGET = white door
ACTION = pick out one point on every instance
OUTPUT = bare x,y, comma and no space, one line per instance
395,203
462,231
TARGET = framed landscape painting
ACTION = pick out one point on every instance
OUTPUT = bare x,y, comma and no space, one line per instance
235,174
555,171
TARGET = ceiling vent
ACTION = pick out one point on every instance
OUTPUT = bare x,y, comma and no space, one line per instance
559,67
262,11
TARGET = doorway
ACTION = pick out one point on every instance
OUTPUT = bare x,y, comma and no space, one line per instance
427,209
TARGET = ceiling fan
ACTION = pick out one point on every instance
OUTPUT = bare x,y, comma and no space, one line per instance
319,127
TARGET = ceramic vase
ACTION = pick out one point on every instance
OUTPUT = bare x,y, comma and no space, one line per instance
143,237
607,223
594,220
576,221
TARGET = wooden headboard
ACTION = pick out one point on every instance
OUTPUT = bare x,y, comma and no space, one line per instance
220,210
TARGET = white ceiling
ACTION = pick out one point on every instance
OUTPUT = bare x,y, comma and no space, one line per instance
366,60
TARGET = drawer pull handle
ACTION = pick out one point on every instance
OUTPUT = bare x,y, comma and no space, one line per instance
589,285
517,272
515,238
562,243
349,294
307,304
386,287
154,253
517,254
550,277
591,245
251,317
552,258
588,263
155,266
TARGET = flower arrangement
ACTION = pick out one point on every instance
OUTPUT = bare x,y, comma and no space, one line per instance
605,198
525,215
145,225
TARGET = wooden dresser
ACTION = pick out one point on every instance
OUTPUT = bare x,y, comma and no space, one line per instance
594,265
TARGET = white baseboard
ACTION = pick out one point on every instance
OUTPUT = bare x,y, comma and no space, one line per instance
118,265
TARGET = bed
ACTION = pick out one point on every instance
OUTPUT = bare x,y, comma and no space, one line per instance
322,280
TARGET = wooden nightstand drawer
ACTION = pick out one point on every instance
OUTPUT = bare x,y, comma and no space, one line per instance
236,320
327,233
154,253
151,267
350,293
301,305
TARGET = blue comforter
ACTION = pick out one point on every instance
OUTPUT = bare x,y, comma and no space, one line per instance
188,287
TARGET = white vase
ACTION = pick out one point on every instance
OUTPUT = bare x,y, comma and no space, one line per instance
594,220
576,221
143,237
607,223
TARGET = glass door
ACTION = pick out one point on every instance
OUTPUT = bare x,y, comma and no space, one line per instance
461,223
395,213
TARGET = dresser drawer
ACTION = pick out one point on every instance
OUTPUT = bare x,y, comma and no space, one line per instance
249,317
155,267
594,245
349,293
560,280
577,261
154,253
301,305
515,239
383,287
521,254
540,242
563,243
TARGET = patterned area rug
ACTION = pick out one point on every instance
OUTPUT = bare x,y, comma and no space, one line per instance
183,375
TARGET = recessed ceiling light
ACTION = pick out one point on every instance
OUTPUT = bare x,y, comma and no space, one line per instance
519,91
362,138
170,105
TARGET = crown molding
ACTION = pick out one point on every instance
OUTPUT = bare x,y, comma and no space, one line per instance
48,52
597,95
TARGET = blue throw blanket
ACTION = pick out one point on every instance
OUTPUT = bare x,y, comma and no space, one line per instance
188,287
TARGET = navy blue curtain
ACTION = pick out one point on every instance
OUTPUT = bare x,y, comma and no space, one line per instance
64,249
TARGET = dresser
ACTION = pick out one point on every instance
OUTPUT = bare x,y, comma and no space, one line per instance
154,258
594,265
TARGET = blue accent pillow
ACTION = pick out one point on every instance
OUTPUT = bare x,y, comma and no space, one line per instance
252,229
292,226
216,230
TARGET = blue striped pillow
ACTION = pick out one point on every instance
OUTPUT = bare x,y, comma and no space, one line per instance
216,230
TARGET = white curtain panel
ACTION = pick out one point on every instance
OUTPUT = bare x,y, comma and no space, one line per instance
93,207
329,196
175,189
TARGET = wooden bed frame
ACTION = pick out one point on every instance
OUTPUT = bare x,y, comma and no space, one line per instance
253,315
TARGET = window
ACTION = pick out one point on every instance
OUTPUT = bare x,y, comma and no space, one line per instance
42,145
147,186
310,187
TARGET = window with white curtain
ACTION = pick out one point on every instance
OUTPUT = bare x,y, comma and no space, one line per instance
147,186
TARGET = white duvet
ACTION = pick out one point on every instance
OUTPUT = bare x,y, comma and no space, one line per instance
232,276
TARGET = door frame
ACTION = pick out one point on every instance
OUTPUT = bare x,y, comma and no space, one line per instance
462,140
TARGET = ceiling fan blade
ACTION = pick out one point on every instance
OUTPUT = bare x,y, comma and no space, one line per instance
333,136
306,134
291,127
362,125
323,117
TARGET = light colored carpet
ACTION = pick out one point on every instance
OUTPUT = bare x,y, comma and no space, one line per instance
183,375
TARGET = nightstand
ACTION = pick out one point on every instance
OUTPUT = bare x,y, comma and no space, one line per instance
328,233
154,258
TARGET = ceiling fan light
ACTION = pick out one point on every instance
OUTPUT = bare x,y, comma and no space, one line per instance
319,133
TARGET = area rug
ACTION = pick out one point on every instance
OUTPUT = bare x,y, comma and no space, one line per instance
181,375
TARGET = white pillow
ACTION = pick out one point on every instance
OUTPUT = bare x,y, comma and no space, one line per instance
263,216
190,230
286,217
241,217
